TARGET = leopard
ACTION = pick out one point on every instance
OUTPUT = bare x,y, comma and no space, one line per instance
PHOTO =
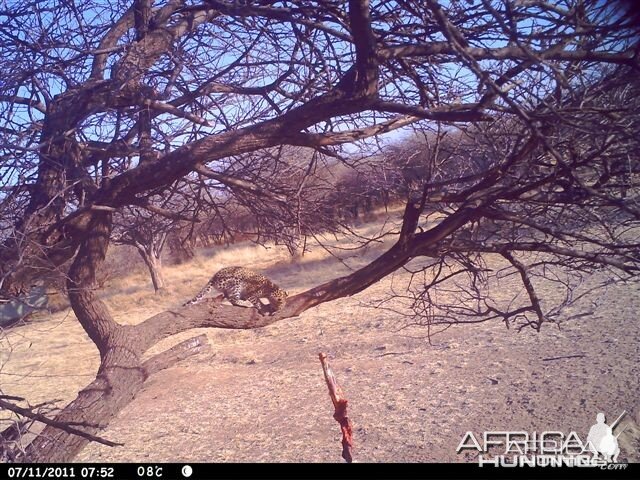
239,284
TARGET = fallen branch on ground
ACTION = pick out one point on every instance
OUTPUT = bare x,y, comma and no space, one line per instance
549,359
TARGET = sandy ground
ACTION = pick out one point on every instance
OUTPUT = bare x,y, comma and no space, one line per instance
260,395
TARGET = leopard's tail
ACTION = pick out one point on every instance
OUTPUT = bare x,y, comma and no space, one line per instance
207,288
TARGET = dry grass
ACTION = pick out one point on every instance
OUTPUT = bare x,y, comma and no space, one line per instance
260,394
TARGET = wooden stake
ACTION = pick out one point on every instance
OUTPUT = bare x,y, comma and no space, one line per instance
340,405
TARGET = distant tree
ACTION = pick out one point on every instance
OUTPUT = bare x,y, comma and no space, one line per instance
104,104
148,236
147,226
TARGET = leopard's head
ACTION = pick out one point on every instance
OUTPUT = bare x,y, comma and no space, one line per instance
279,297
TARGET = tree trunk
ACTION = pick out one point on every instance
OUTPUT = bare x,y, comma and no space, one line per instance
119,375
154,264
155,268
151,252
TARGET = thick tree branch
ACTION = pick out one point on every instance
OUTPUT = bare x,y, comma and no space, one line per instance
240,183
144,53
168,108
163,212
366,81
170,357
452,113
213,314
37,104
514,52
110,40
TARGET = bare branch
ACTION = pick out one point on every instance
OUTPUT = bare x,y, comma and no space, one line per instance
59,425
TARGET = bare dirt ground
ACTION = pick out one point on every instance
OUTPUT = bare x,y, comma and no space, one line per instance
260,395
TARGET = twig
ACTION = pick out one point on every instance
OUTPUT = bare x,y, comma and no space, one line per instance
548,359
61,425
393,353
340,405
12,397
